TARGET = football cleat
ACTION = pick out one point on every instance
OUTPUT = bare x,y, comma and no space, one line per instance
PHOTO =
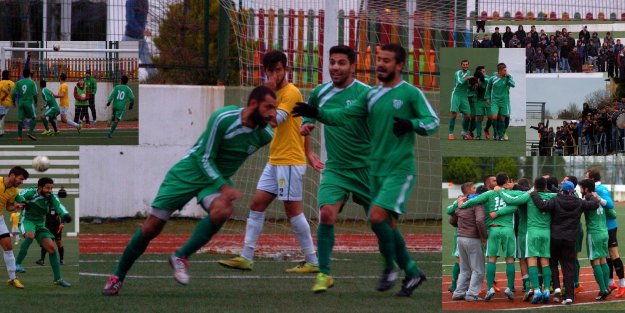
304,267
546,296
538,296
579,289
387,281
451,289
490,294
557,294
179,265
451,136
509,294
602,295
61,283
409,284
31,137
613,287
45,132
112,287
567,302
620,292
238,262
505,137
322,283
528,295
486,134
15,283
19,268
20,139
41,262
472,298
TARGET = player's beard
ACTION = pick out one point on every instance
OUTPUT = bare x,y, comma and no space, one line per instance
389,77
258,119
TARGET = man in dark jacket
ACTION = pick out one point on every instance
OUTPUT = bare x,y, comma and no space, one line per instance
496,37
566,210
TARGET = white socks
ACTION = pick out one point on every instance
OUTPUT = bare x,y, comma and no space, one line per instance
621,282
72,123
302,233
9,260
253,228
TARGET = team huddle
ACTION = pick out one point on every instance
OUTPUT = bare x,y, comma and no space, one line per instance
539,225
369,138
478,96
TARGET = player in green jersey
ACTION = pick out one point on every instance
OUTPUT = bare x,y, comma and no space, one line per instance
395,111
51,110
119,96
37,202
498,97
231,136
346,171
500,222
481,107
26,91
460,101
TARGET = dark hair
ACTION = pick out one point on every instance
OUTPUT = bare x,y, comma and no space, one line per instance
540,183
552,183
594,174
42,83
124,79
400,52
501,66
63,76
26,73
572,179
19,171
588,184
487,177
501,178
5,74
523,182
346,50
272,58
464,60
43,181
465,187
259,93
482,189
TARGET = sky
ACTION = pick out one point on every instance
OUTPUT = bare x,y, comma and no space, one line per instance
559,92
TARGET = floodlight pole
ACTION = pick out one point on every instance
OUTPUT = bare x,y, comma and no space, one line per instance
3,49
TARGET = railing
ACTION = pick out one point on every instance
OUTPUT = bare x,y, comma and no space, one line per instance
105,70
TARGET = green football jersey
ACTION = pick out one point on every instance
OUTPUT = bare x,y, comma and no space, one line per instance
493,202
226,144
49,99
451,208
596,221
38,206
535,217
498,89
461,86
522,209
25,91
92,84
347,146
119,95
390,155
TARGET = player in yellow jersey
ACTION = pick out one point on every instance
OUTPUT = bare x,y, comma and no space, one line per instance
8,192
6,88
15,220
63,94
283,175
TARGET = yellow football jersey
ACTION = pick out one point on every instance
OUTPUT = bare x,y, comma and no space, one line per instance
7,195
15,219
6,88
65,91
287,146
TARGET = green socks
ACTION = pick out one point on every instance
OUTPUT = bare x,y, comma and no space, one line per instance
32,124
325,243
547,276
204,231
404,260
606,275
452,125
386,243
23,250
20,126
491,269
113,126
526,282
454,275
45,123
133,251
533,271
598,272
56,265
478,128
510,271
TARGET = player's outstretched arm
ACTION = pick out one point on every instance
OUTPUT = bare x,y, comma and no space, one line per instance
515,199
605,194
451,208
542,204
477,200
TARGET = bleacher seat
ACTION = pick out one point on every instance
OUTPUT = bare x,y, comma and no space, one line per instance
577,16
496,16
622,16
484,15
589,16
541,16
507,15
613,16
565,16
601,16
530,16
518,16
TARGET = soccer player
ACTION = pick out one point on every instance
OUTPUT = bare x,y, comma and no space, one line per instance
614,261
283,175
38,202
92,84
500,222
498,97
395,111
536,244
55,225
8,194
26,88
51,110
63,94
346,170
119,96
231,136
460,101
6,89
15,219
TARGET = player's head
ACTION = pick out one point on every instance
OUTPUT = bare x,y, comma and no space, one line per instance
44,186
467,188
522,184
540,184
42,83
16,177
342,65
5,75
502,178
275,64
389,62
480,69
26,73
490,182
587,186
124,79
464,64
63,77
502,69
481,189
80,82
262,101
552,183
572,179
593,174
88,73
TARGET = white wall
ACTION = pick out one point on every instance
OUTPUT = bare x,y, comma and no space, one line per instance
102,112
119,181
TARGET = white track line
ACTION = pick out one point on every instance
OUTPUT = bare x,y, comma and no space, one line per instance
563,307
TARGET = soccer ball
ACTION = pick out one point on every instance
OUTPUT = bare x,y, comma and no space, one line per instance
56,47
41,163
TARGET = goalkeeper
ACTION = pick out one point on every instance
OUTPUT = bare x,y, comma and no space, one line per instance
395,111
38,202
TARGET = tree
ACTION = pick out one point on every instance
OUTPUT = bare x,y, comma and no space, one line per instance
507,165
571,112
598,98
461,170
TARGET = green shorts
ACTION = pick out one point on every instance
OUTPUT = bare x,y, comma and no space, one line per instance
482,108
501,108
579,239
538,243
391,192
25,111
184,181
520,244
501,237
460,104
39,229
51,112
118,113
337,184
597,244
